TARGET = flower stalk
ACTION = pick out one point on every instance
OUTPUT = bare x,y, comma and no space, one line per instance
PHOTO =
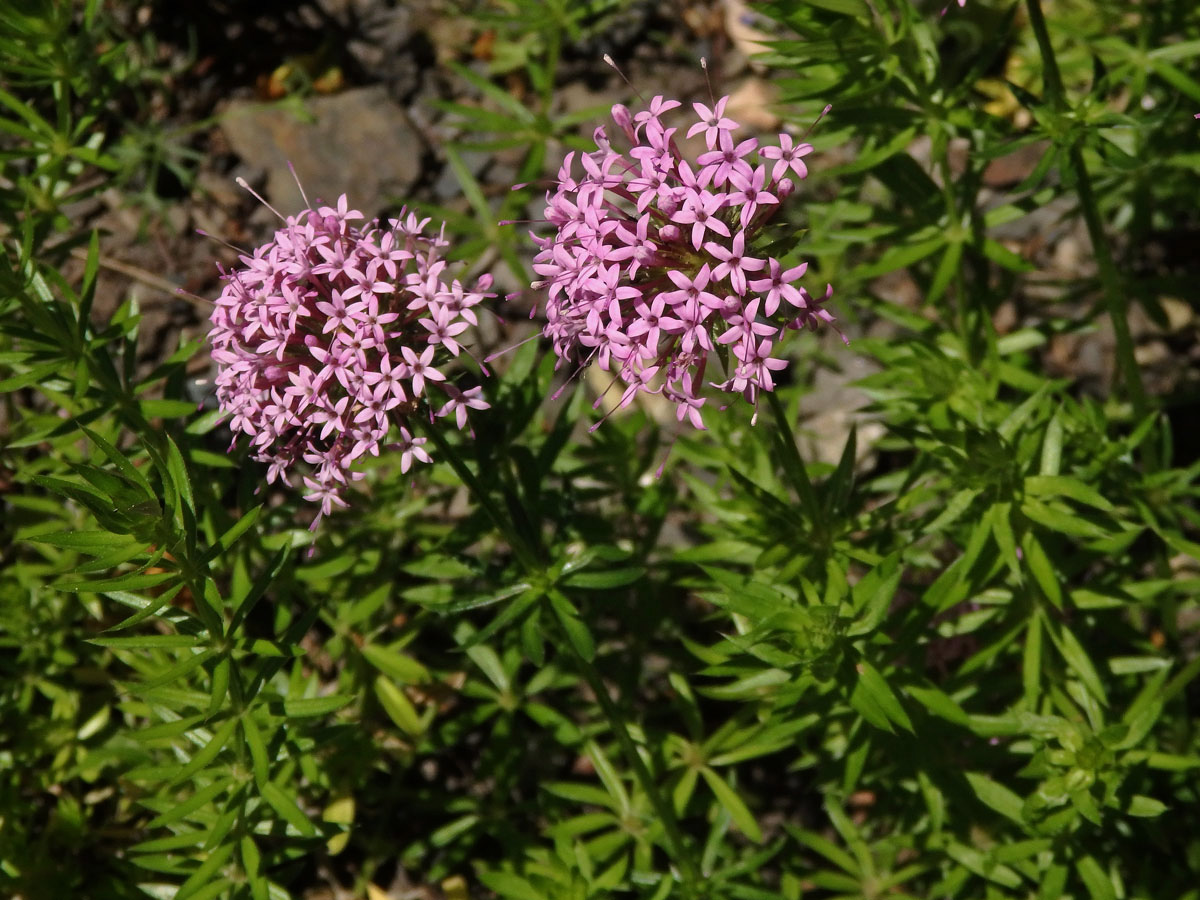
1110,279
688,871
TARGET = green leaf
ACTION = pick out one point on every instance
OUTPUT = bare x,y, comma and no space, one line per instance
606,580
140,603
1054,882
179,474
1042,569
1001,255
1134,665
872,686
436,565
997,796
86,541
873,595
1145,807
181,811
148,641
515,609
846,7
288,808
174,842
957,505
1002,530
608,776
121,461
166,729
1052,447
945,272
134,581
1099,885
147,606
243,603
398,707
208,752
226,540
258,750
490,664
939,703
683,791
1031,662
315,706
200,884
1017,342
1057,519
33,376
582,793
828,849
397,665
449,833
1077,659
166,409
206,423
508,885
187,665
220,684
251,865
974,861
574,627
733,804
901,255
1065,486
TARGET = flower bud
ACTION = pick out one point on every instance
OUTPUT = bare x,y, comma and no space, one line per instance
600,136
624,120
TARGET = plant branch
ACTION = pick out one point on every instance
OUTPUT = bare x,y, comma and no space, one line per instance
1110,279
502,522
689,874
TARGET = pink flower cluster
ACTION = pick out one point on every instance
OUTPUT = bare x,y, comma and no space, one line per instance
653,273
330,335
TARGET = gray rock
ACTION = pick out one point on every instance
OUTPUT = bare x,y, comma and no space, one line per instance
358,142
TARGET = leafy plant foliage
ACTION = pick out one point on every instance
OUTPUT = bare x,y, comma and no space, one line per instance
956,658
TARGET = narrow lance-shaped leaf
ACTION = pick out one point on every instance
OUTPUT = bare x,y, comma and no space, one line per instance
288,808
733,804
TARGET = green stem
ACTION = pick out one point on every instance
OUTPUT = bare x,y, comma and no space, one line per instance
1055,94
689,874
793,464
504,524
676,845
1110,280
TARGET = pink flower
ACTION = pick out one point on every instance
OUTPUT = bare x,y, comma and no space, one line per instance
779,285
652,272
328,338
411,448
460,402
734,263
751,193
788,157
728,160
712,121
700,211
